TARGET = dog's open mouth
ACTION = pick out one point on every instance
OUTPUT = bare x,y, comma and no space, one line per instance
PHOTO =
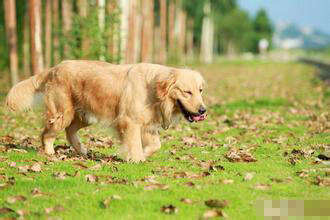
191,117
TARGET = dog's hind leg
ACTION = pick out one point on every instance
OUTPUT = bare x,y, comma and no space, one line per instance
59,114
72,137
151,143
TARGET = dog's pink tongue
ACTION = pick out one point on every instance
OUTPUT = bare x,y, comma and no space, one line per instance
199,117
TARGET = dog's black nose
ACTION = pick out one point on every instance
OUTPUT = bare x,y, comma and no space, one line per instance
201,110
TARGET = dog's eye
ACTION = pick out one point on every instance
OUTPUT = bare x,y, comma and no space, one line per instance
188,92
201,90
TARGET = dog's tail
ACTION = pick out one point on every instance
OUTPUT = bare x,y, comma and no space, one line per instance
26,94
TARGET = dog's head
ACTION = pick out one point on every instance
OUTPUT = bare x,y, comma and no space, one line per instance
181,91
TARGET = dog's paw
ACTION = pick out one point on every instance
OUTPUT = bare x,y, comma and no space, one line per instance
83,151
49,151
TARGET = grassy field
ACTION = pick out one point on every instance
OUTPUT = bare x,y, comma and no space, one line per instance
268,125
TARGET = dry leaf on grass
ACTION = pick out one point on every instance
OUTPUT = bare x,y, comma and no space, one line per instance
12,164
213,213
156,186
215,203
227,181
169,209
186,201
35,168
96,167
239,155
80,165
5,210
91,178
60,175
57,208
322,181
13,199
261,186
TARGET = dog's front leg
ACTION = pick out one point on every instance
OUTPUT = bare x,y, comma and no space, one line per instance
130,133
151,143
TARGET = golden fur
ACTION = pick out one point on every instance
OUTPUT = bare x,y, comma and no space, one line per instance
137,99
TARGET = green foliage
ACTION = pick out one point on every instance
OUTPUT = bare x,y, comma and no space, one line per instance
230,29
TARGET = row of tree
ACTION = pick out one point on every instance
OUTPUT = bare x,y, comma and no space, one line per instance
41,33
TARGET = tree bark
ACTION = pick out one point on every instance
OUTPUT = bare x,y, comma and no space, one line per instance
66,26
101,21
10,21
129,58
190,40
26,47
171,20
163,23
35,36
48,34
56,40
138,32
182,31
207,35
123,28
147,31
83,12
113,38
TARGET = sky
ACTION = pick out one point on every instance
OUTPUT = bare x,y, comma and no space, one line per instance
310,13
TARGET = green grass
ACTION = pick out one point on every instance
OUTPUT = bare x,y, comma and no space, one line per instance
269,108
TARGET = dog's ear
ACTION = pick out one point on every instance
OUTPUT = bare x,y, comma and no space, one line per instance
165,82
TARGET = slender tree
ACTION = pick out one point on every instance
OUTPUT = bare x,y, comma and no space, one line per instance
10,20
67,24
56,27
101,21
138,32
207,34
163,29
26,46
147,30
83,12
124,4
182,31
171,21
131,32
35,36
48,33
113,38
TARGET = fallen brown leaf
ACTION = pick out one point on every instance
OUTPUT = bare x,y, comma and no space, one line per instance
240,155
169,209
35,168
57,208
13,199
60,175
215,203
261,186
213,213
91,178
5,210
186,201
227,181
156,186
96,167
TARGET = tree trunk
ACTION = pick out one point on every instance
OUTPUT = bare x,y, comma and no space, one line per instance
138,32
101,21
182,31
190,40
56,28
147,30
113,38
48,34
129,58
171,20
123,28
26,47
66,26
163,23
35,36
207,35
10,20
83,11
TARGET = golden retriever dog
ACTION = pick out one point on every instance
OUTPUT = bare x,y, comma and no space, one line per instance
138,100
